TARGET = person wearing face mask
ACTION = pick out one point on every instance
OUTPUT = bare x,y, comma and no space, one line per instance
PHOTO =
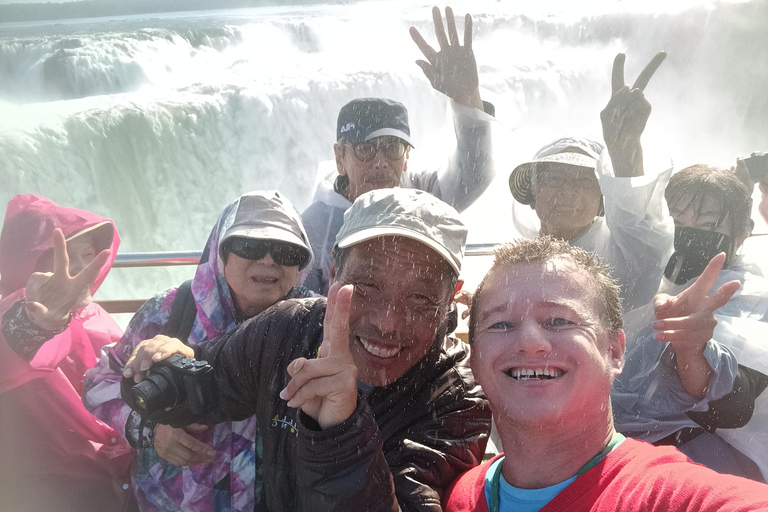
250,262
704,394
55,455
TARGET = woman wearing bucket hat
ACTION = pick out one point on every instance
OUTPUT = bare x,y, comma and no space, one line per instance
55,454
251,260
603,205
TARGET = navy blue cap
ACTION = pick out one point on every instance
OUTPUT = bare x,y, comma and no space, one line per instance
367,118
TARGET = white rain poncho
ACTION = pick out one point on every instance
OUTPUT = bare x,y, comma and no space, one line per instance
468,173
648,400
634,237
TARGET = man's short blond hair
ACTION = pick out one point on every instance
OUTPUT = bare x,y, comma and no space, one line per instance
545,248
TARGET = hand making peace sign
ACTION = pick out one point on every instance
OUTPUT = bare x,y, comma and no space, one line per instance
51,296
452,70
326,388
687,322
625,117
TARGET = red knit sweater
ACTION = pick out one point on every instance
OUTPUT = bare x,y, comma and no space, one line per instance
636,476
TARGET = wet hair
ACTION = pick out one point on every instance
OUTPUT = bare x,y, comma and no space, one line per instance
700,181
546,248
340,255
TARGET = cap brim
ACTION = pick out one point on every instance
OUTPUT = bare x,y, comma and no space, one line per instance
102,235
378,231
392,132
520,178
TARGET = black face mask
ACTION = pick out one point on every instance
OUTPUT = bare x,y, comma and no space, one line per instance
693,250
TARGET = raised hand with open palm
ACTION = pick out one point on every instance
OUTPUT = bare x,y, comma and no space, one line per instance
452,70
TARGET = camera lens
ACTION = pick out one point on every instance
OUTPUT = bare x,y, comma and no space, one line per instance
155,393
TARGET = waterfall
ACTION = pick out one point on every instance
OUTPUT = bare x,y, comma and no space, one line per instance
159,121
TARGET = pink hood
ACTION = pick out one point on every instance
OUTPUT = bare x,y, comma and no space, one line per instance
28,233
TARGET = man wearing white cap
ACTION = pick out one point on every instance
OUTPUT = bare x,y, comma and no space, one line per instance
363,403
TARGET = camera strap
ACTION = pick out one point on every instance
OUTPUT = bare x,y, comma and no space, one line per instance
183,313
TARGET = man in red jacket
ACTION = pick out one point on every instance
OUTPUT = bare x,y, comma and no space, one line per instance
547,343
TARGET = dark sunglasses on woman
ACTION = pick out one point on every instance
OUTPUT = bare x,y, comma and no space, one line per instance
283,253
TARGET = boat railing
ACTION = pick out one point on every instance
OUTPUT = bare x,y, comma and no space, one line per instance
178,258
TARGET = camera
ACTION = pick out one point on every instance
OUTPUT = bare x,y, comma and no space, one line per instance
757,166
177,382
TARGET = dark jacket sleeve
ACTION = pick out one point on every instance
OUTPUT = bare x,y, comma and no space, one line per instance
251,356
402,452
22,334
344,468
735,409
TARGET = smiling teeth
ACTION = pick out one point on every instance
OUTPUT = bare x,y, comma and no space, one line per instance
384,353
534,374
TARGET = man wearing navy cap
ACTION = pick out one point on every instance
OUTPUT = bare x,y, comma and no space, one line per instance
374,139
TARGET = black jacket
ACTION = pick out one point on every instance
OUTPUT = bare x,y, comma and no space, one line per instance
400,449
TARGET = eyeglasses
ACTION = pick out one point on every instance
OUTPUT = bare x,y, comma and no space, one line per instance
559,180
283,253
366,151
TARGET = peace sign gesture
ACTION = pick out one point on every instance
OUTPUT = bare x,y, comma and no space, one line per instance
326,388
51,296
625,117
687,322
452,70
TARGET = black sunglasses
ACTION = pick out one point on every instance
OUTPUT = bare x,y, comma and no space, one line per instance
283,253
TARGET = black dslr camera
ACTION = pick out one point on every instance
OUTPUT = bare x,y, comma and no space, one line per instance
177,382
757,166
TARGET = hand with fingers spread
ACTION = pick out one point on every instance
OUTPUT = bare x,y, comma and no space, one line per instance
452,70
625,117
181,449
326,388
687,322
149,352
50,297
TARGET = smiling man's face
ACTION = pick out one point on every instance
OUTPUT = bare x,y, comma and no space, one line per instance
567,199
401,299
540,350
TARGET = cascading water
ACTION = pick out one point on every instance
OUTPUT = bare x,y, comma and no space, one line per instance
159,121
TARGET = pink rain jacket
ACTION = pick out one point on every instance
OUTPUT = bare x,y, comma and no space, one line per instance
54,455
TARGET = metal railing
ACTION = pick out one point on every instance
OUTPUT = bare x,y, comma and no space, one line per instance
178,258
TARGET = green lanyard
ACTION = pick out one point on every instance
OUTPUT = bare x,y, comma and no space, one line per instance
496,480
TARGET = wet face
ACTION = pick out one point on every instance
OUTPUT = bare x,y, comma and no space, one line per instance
400,301
567,199
257,284
540,350
81,252
705,213
382,170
